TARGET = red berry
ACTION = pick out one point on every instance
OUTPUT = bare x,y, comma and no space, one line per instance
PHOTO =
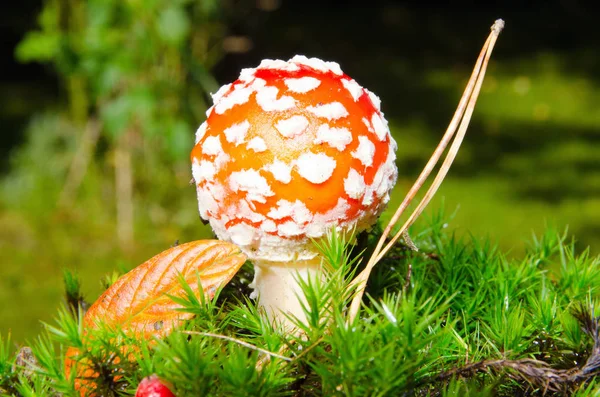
152,386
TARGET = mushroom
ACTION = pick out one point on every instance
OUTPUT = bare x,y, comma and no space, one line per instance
289,151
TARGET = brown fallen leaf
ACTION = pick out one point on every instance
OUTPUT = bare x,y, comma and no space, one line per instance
139,302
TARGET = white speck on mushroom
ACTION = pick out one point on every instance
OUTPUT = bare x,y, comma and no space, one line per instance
292,126
206,202
281,171
257,84
245,210
393,146
374,99
216,97
322,222
196,174
259,198
353,88
220,160
267,100
282,249
330,111
268,226
251,205
247,74
384,179
300,213
380,126
302,85
201,131
315,168
203,171
318,64
337,138
242,234
289,229
367,123
278,64
252,182
315,229
365,151
237,132
238,96
283,209
217,191
354,184
212,146
296,210
368,197
257,144
389,174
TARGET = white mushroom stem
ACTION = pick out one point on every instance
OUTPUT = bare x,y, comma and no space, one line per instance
279,292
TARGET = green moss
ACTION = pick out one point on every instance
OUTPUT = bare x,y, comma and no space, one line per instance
466,320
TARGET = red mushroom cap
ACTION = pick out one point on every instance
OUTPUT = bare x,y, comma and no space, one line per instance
288,151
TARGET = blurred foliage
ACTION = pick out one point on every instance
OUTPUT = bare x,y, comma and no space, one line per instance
125,62
137,78
140,71
126,66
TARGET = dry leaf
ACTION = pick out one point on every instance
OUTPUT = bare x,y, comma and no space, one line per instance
139,301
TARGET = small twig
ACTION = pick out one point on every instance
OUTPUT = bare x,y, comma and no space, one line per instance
264,360
239,342
309,348
460,120
473,89
261,363
537,372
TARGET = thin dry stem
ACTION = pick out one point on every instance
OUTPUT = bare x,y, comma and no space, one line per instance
460,120
452,152
264,360
239,342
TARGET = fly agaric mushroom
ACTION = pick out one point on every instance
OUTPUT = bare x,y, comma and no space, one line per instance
289,151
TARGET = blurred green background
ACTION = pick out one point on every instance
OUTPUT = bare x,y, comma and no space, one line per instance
100,99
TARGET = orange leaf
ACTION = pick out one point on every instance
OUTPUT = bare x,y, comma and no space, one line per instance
139,301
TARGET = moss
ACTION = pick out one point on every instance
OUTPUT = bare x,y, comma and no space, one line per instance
465,320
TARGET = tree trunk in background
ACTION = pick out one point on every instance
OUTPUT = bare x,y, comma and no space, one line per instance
124,192
80,162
